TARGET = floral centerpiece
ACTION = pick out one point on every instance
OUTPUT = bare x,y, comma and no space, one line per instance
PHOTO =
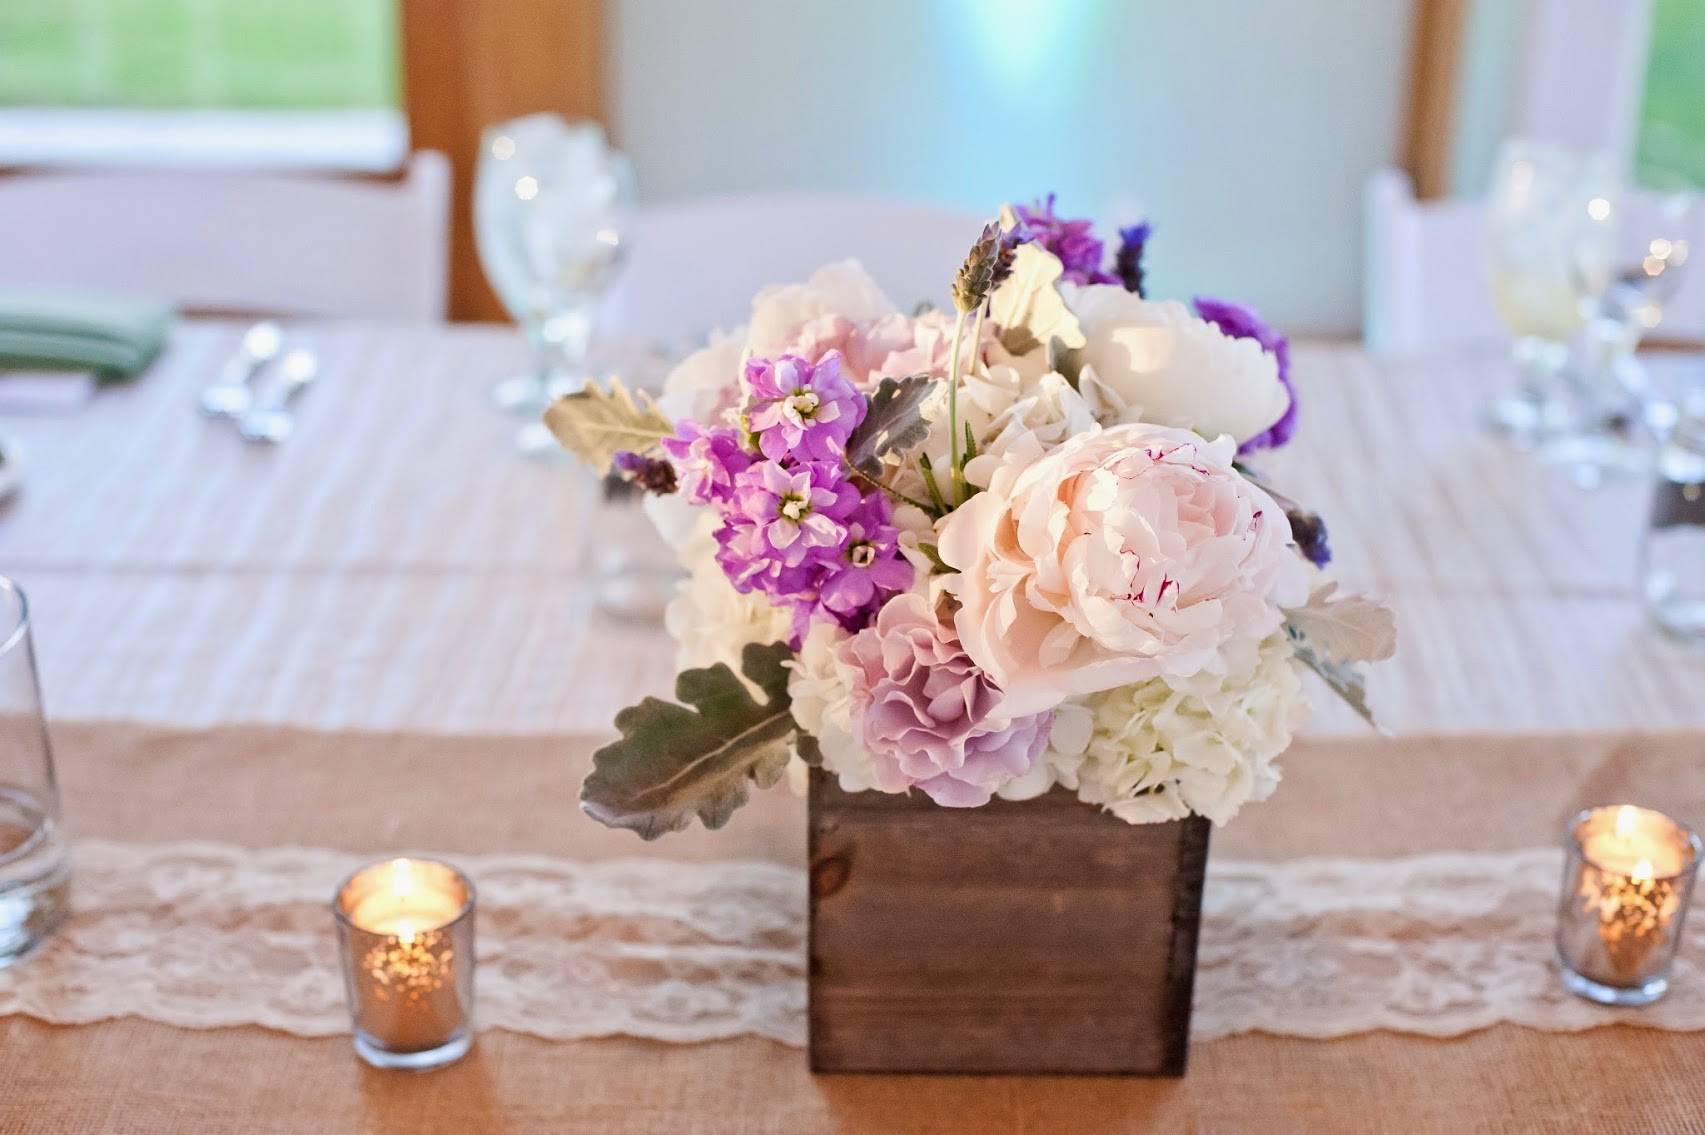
977,553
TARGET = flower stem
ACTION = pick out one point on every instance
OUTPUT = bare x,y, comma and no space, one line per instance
928,472
953,465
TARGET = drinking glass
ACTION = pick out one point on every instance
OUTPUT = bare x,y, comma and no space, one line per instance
1672,552
551,202
1657,235
35,870
632,570
1549,245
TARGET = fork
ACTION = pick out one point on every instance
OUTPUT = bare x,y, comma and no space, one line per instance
230,395
272,421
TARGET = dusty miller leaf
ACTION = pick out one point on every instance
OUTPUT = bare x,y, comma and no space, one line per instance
894,423
1028,307
1345,680
595,424
697,758
1347,628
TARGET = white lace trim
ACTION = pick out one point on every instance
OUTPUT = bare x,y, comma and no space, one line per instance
206,936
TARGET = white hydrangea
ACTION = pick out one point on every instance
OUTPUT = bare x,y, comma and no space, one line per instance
1205,744
709,620
821,690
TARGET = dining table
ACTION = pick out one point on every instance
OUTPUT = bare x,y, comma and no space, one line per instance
264,665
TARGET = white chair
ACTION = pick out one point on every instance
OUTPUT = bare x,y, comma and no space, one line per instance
234,242
695,265
1424,288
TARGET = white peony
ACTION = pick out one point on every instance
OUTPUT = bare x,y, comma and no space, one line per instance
1173,369
1161,750
706,382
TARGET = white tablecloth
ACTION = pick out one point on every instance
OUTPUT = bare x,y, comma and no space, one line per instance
397,567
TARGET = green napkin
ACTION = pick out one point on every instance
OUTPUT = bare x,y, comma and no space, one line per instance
115,337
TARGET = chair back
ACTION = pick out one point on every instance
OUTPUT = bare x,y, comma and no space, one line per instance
695,265
237,242
1424,285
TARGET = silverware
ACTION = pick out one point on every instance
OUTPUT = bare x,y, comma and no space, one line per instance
230,395
272,420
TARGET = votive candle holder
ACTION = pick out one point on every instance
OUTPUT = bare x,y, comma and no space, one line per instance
1627,881
406,935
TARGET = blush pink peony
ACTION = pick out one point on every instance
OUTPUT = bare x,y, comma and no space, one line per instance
927,717
890,346
1119,556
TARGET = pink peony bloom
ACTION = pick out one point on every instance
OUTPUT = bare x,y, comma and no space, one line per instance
1119,556
890,346
927,716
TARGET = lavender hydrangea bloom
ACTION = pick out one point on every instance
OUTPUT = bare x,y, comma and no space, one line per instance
1242,322
869,569
928,717
706,461
1073,241
1128,261
802,411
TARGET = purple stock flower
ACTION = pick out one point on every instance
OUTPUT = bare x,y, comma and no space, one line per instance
706,461
1073,241
796,510
802,411
1128,261
1242,322
869,569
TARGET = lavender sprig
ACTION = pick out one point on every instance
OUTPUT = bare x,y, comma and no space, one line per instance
1128,261
652,474
976,277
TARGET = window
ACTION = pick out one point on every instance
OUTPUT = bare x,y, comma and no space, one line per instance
249,82
1671,144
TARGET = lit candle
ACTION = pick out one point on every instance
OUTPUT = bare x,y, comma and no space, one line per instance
406,930
1629,877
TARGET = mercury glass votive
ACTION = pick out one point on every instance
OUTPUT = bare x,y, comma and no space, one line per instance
405,929
1627,879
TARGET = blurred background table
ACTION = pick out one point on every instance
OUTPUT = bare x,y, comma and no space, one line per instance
375,637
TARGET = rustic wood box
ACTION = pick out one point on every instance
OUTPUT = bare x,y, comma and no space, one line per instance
1036,937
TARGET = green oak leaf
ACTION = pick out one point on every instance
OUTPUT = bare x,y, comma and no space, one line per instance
674,762
595,424
894,423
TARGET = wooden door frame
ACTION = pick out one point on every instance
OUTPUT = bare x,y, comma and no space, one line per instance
469,63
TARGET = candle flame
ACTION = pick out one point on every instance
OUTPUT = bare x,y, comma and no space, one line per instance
1642,870
1627,817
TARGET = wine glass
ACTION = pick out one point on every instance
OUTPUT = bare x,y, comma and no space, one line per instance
1658,232
551,202
1549,244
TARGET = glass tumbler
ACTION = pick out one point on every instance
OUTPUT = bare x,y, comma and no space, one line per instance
1672,551
35,868
632,570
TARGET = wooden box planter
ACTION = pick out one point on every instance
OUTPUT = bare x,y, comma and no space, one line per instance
1037,937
